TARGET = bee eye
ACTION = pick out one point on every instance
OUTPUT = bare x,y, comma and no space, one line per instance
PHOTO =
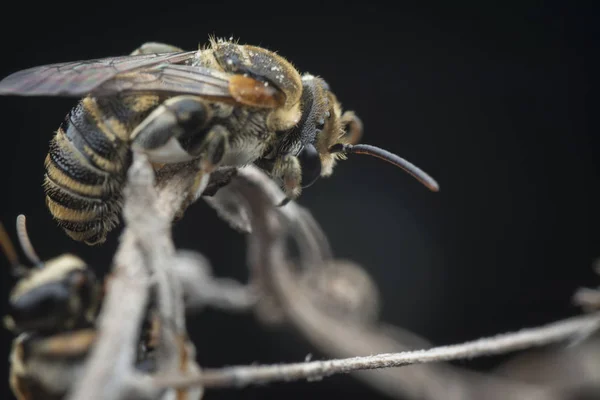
311,165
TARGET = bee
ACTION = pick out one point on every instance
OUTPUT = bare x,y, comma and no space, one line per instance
225,105
53,309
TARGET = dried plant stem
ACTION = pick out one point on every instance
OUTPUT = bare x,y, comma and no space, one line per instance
247,375
144,251
146,259
249,202
113,355
267,252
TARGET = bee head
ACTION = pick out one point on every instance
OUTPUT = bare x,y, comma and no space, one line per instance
58,294
334,134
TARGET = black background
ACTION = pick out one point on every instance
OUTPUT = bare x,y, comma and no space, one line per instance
493,101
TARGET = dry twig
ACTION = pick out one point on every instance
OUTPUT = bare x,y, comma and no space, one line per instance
145,254
500,344
277,290
336,335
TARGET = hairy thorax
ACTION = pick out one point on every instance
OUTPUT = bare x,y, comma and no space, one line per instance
249,135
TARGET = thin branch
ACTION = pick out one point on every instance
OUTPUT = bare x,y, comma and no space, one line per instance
201,289
500,344
112,357
154,238
232,207
567,368
146,254
113,354
145,248
231,204
333,333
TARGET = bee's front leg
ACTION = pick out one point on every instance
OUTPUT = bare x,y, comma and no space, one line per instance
288,171
210,152
181,130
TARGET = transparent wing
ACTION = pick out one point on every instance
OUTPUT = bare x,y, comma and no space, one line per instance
80,77
180,79
142,73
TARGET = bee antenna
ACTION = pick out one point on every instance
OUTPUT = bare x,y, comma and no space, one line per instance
385,155
25,242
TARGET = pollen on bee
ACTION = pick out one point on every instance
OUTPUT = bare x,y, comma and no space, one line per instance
255,93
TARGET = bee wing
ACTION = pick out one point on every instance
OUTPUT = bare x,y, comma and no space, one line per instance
196,80
80,78
181,79
139,74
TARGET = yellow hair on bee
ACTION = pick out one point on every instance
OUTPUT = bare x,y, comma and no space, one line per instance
54,269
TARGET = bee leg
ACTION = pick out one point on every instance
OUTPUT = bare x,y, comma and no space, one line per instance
353,127
288,171
155,47
174,131
210,154
179,130
213,148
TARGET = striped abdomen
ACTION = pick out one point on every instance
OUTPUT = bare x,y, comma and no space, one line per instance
87,164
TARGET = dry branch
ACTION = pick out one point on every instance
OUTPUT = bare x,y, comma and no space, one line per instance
147,263
568,369
144,256
336,336
201,289
500,344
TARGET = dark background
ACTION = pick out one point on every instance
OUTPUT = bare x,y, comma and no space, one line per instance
493,101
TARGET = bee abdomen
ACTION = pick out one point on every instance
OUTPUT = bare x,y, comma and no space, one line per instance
85,171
